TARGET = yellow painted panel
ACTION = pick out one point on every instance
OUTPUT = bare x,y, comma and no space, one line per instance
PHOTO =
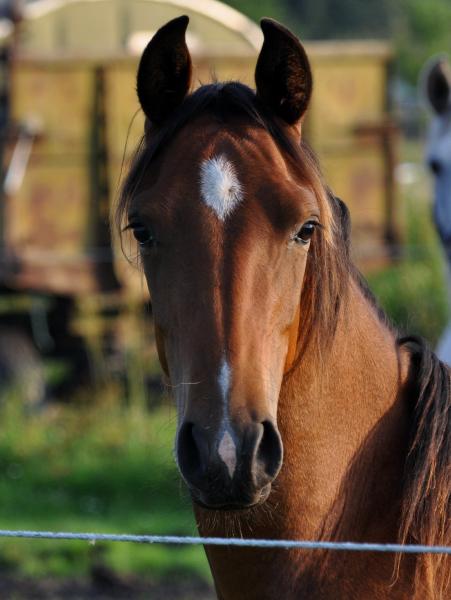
59,97
125,120
357,175
51,210
346,92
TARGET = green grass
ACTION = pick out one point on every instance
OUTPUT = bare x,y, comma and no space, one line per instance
99,468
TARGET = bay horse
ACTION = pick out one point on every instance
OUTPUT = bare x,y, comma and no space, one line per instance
437,88
301,413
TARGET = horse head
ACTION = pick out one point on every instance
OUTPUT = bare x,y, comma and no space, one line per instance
226,212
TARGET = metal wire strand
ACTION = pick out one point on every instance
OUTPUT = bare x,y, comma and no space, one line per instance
218,541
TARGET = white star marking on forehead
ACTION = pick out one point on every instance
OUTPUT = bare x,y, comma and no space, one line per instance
219,185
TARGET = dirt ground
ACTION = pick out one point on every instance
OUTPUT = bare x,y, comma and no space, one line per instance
102,586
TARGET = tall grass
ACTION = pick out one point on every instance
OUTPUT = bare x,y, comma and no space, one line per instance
93,465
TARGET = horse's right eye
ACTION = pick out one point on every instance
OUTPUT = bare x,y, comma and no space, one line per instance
144,234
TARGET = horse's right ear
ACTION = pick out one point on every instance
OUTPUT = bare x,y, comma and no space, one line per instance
437,83
164,72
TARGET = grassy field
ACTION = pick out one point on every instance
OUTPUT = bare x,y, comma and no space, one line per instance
412,291
96,467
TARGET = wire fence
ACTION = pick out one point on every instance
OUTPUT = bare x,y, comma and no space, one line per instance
233,542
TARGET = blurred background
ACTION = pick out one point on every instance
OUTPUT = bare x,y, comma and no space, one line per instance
86,424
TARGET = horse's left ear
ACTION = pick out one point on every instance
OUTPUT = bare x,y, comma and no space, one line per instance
164,72
437,85
283,76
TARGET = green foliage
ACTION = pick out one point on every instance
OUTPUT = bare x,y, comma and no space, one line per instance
341,19
413,291
256,9
421,30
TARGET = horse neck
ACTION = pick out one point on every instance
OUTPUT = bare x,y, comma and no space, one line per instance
341,418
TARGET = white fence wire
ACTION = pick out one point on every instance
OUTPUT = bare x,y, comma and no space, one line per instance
219,541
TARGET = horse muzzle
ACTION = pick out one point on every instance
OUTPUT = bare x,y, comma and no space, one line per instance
232,468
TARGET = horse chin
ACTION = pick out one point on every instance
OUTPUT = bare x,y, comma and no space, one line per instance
229,505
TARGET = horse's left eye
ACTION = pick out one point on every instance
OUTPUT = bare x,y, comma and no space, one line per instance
144,234
305,233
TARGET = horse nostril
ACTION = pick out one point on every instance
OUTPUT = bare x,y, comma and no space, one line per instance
435,166
189,452
269,455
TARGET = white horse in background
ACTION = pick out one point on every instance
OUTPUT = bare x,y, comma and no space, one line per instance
437,88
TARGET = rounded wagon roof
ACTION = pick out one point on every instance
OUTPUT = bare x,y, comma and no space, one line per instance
105,28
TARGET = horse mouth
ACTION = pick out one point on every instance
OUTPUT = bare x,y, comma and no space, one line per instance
229,504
